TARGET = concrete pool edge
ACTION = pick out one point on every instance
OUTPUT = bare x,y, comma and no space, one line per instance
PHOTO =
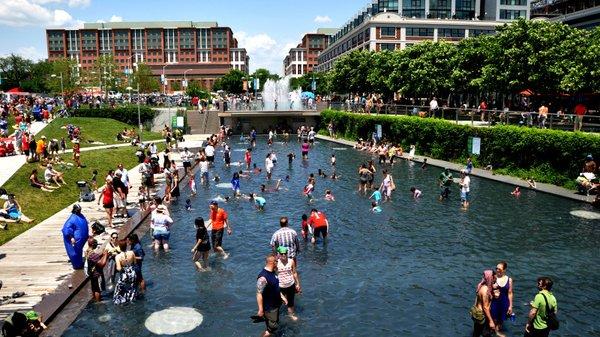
541,187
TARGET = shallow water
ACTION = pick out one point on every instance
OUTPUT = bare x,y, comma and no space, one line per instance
409,271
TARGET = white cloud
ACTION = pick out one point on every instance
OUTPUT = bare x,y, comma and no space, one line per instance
264,51
322,19
31,53
20,13
115,18
79,3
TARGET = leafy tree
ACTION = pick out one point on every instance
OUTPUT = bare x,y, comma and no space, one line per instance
467,62
67,69
590,54
231,82
38,77
381,66
194,89
263,75
350,71
305,83
144,77
175,86
535,55
14,70
423,70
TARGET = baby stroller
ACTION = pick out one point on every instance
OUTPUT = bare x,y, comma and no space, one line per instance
85,192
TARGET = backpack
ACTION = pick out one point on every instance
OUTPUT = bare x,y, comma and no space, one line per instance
551,319
87,197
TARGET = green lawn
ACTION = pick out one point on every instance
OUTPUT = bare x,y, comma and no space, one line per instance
41,205
103,130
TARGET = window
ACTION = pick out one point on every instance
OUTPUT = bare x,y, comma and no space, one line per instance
419,32
465,9
514,2
413,8
510,14
477,32
387,46
388,5
450,33
440,9
388,31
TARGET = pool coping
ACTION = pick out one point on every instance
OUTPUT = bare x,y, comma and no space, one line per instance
541,187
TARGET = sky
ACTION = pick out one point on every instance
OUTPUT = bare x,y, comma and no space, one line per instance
266,28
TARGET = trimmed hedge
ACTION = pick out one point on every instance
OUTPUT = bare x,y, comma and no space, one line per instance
128,115
562,153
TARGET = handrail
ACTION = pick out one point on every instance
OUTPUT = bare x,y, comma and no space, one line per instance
483,117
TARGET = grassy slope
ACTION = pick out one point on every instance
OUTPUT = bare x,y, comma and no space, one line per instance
41,205
102,130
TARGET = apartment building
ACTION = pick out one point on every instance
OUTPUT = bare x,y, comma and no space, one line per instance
198,51
397,24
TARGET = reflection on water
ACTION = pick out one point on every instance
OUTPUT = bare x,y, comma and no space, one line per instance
408,271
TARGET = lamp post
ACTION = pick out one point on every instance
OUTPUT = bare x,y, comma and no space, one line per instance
164,77
185,78
62,91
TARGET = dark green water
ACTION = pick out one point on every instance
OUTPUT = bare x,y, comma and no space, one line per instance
409,271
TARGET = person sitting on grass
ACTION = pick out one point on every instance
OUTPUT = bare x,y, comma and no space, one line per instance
51,175
12,210
34,182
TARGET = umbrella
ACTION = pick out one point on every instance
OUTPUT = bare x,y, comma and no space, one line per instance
307,94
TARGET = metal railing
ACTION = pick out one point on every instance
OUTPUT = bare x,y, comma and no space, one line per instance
483,118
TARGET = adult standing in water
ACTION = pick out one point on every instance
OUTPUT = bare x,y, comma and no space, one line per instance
289,281
135,245
218,221
320,225
202,246
387,186
268,296
537,323
305,147
286,237
502,301
465,189
445,181
483,324
160,223
75,235
363,175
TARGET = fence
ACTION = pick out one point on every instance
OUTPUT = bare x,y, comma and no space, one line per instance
483,118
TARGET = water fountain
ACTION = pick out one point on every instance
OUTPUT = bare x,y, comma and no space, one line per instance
277,96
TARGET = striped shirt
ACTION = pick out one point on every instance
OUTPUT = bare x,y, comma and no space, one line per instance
288,238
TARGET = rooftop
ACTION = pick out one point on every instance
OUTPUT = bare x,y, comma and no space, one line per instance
327,31
149,24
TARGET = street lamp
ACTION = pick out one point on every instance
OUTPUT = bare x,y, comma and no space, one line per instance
164,77
62,91
185,78
138,108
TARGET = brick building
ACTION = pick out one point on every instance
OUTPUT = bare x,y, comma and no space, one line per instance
302,59
200,51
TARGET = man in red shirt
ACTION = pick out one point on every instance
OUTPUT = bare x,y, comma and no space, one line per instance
580,110
319,224
218,220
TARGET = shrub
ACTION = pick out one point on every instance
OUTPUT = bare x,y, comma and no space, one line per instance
128,114
558,153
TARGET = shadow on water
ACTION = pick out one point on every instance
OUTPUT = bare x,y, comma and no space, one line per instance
408,271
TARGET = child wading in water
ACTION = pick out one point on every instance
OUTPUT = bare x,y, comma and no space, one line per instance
329,196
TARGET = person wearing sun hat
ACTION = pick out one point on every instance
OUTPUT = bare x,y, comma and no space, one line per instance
289,281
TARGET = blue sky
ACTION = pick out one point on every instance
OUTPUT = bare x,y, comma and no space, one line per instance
267,28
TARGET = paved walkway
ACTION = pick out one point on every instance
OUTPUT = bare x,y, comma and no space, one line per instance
546,188
12,164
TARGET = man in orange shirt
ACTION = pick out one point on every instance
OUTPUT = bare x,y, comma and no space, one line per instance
319,224
218,219
580,110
